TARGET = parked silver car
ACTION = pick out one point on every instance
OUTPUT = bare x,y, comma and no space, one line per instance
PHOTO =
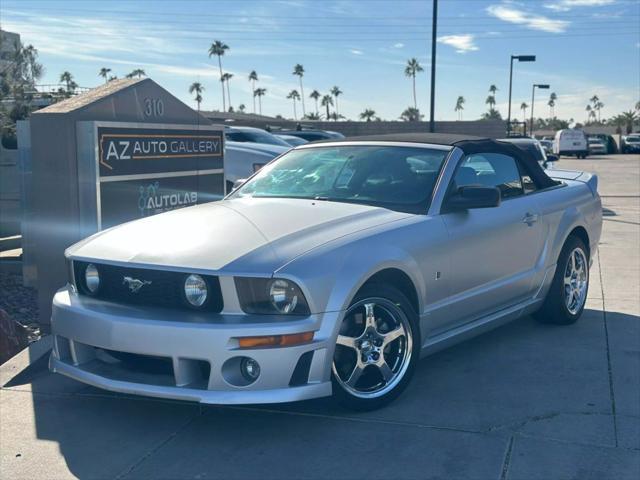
243,159
332,270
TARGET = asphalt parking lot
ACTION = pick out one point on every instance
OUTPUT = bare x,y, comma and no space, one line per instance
525,401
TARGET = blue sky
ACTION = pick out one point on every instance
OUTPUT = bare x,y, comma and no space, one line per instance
584,47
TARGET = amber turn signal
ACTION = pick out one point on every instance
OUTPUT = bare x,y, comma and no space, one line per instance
275,340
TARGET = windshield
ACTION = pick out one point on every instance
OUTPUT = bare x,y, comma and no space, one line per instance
255,136
400,178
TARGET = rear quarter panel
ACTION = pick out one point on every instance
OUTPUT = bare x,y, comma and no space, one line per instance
564,208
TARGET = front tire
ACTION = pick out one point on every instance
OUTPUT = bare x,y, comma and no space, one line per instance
377,348
568,292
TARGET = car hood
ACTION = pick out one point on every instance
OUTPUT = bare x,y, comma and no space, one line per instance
240,236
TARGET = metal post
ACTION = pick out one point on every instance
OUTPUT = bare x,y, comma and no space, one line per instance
434,32
520,58
533,93
510,84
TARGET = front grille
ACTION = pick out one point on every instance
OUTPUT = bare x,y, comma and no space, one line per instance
164,290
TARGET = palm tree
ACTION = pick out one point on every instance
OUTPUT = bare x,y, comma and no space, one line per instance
590,113
491,101
411,70
253,78
368,115
411,114
294,95
459,106
552,104
218,48
492,114
259,92
198,89
225,78
315,95
327,101
493,89
67,78
524,107
630,118
598,107
138,72
104,72
336,92
299,71
241,107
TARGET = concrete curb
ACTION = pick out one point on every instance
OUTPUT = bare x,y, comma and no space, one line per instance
34,352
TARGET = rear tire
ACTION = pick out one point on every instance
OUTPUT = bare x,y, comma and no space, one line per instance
568,292
377,348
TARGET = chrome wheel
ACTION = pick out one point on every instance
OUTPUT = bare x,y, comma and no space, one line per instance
373,348
576,281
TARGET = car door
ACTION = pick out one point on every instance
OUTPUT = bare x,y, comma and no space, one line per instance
493,250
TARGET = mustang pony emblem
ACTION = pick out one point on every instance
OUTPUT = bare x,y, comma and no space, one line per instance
134,284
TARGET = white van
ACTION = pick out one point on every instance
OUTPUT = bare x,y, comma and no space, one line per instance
571,142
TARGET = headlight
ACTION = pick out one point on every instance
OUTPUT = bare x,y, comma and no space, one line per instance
92,278
195,290
271,296
283,296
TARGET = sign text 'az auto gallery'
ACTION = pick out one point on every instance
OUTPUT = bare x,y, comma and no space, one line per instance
144,169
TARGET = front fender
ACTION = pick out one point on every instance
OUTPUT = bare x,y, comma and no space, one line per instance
330,276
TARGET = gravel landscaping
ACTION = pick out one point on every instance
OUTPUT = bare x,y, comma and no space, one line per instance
20,303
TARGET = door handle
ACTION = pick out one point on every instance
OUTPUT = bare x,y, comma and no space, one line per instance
530,218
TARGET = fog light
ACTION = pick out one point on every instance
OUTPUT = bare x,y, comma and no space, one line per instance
250,369
92,278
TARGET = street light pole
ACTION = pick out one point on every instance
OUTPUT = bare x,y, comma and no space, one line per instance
434,33
533,96
510,84
520,58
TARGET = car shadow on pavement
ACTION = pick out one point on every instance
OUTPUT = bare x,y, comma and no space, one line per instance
464,406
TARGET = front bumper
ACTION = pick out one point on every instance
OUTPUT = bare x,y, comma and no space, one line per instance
197,356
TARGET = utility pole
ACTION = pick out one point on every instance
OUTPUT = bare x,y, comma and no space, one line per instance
434,34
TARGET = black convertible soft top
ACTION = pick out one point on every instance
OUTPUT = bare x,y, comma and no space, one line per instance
468,144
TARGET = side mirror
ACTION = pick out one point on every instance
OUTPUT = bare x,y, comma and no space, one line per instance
552,158
238,183
474,197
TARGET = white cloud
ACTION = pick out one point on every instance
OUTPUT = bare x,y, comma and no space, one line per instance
398,45
507,13
356,51
462,43
565,5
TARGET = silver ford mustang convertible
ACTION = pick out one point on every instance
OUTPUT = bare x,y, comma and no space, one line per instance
330,271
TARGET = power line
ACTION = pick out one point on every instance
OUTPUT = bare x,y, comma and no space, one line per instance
479,18
392,28
375,38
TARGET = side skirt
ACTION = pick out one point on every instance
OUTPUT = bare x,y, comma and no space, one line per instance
477,327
